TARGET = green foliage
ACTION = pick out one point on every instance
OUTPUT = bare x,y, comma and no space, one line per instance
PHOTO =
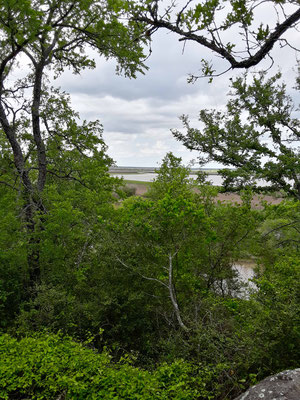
41,140
129,191
172,179
275,324
13,256
279,232
202,237
107,281
152,279
255,136
78,25
64,219
49,366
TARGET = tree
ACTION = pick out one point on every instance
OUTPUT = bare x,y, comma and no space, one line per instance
12,256
182,246
273,320
172,178
257,135
210,23
156,231
39,132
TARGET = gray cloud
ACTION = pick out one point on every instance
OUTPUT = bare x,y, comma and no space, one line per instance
137,114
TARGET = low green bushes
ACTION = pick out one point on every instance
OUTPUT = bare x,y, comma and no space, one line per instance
55,367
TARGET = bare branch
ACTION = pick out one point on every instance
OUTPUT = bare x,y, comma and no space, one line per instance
179,15
169,286
138,273
279,227
68,177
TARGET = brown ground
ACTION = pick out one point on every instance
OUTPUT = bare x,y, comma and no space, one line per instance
256,201
141,189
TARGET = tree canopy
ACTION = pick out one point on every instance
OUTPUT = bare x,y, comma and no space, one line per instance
52,35
258,135
40,135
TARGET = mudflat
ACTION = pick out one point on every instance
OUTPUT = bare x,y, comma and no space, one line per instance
142,188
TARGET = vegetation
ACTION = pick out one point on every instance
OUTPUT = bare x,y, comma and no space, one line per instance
149,290
107,295
41,137
257,135
51,367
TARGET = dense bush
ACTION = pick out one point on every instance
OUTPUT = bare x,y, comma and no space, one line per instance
52,367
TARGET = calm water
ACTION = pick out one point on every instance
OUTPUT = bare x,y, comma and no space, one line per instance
149,177
215,179
246,272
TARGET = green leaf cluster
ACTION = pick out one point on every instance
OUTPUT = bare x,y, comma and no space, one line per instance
47,366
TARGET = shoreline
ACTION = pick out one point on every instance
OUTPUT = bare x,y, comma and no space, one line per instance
152,170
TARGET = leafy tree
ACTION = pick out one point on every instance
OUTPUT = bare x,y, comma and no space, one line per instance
183,247
280,232
157,235
269,331
39,132
77,193
172,178
257,135
210,23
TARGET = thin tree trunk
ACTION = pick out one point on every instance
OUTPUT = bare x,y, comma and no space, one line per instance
40,146
168,286
173,295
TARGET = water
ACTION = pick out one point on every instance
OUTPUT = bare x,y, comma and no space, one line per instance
215,179
150,176
246,272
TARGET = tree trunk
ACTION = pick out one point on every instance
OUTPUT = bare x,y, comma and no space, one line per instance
173,295
32,202
36,129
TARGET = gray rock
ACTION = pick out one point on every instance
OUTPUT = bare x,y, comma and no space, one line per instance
282,386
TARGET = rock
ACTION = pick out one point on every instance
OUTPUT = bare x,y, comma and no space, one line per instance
282,386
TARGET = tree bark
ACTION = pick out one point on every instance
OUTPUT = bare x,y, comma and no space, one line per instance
36,129
32,202
173,296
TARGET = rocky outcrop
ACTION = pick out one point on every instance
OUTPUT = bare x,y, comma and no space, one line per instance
282,386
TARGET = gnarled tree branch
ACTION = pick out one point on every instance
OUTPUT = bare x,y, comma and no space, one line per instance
253,58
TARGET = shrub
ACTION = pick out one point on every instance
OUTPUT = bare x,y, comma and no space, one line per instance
51,367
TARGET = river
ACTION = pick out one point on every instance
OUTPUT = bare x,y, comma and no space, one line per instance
215,179
150,176
246,272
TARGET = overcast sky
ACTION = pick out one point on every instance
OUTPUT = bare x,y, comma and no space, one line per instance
137,114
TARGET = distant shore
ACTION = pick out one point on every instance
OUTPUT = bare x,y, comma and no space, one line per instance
152,170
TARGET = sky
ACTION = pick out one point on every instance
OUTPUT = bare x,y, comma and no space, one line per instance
137,114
